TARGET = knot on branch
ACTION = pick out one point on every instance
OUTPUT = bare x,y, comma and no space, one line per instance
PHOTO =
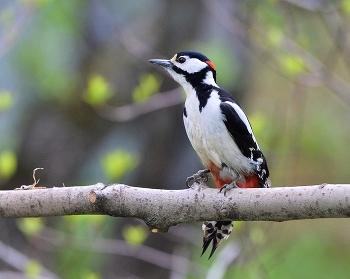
97,198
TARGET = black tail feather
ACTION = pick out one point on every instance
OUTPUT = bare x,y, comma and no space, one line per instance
215,245
215,231
206,242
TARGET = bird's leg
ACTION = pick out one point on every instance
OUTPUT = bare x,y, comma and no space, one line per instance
233,184
201,174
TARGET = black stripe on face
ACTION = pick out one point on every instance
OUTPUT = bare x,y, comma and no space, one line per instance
203,91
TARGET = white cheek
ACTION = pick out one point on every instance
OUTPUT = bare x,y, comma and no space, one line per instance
194,66
191,65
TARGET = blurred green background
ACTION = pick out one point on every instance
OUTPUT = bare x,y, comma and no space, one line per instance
79,99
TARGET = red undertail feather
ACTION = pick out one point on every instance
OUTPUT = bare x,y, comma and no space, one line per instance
250,181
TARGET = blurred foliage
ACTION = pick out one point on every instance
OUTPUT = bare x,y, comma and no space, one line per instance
82,231
38,57
90,275
275,36
149,84
33,269
7,16
30,226
135,235
345,5
292,64
311,255
6,100
39,3
219,52
261,127
98,91
117,163
8,164
86,226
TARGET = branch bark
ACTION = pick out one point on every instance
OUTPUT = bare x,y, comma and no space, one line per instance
161,209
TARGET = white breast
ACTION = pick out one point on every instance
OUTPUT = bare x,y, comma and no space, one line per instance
209,136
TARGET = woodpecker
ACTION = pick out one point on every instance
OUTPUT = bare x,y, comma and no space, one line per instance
219,132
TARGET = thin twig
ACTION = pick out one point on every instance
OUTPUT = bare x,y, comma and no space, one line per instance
121,248
19,261
132,111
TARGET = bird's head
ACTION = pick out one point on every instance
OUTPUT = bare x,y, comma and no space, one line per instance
189,68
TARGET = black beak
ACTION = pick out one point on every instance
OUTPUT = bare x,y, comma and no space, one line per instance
161,62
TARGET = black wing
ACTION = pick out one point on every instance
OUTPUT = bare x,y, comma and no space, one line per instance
239,127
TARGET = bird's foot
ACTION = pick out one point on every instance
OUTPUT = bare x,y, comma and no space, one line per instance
228,187
200,175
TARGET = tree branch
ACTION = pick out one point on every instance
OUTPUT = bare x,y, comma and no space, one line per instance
161,209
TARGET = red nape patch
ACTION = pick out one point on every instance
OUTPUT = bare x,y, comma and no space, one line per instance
211,64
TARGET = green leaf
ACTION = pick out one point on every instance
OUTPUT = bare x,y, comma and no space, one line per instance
30,226
117,163
81,220
149,84
345,6
292,64
6,100
8,164
90,275
267,13
98,91
135,235
275,36
33,269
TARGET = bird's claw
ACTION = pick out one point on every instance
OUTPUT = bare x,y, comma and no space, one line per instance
228,187
200,175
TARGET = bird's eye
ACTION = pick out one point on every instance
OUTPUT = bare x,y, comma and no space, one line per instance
181,59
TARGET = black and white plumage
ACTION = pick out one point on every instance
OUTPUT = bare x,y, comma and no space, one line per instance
219,132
